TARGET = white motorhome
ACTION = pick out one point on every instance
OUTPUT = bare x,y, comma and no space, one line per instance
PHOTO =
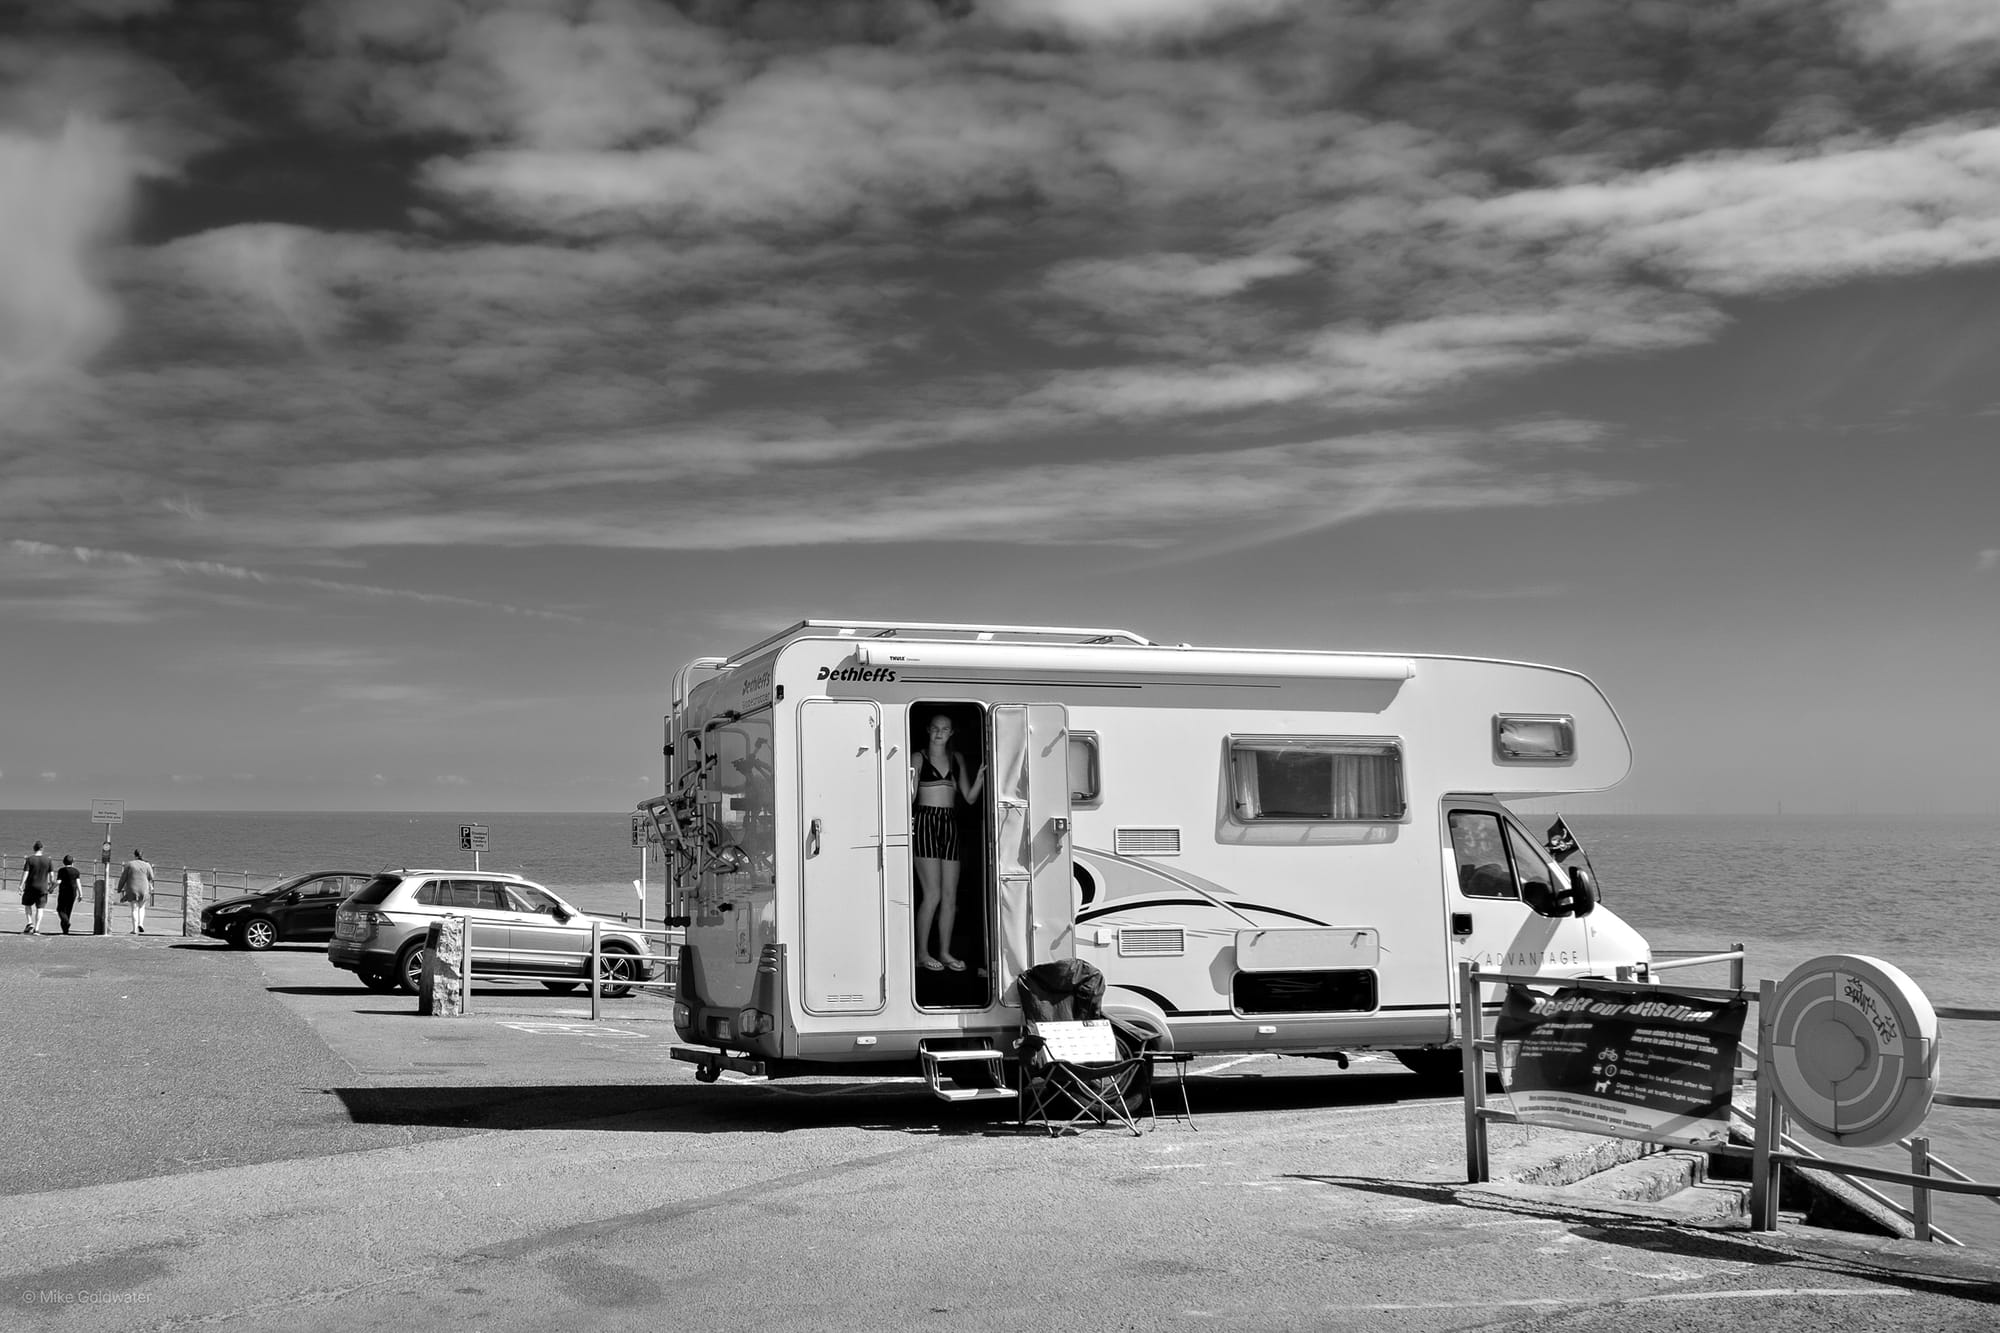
1261,850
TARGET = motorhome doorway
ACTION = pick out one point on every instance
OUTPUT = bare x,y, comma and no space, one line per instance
952,892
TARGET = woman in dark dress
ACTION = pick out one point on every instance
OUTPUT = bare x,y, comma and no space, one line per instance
67,881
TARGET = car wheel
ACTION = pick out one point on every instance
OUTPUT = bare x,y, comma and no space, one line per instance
382,982
259,933
562,987
409,973
616,970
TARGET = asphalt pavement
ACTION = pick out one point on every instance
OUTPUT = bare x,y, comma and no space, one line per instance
211,1138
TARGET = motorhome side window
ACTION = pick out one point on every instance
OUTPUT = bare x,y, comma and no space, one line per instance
1324,779
1083,780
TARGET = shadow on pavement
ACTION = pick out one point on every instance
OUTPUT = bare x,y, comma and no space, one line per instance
1931,1269
902,1107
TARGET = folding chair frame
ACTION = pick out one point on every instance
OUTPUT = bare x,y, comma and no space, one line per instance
1047,1083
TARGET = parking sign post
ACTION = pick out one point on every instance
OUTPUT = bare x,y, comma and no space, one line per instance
472,838
106,813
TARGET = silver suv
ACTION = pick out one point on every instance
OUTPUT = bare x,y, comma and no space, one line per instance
519,929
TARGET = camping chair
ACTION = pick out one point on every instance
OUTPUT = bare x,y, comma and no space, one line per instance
1071,1069
1071,1072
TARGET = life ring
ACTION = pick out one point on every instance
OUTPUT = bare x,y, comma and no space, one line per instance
1854,1050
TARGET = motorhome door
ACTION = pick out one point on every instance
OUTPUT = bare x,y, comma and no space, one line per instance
1031,833
841,857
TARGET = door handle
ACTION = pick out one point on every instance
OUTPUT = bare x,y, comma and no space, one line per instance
812,841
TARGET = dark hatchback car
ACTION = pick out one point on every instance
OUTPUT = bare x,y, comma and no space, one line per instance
297,909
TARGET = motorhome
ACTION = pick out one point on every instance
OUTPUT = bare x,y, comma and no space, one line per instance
1261,850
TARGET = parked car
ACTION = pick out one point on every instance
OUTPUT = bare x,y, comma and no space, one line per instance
299,909
519,929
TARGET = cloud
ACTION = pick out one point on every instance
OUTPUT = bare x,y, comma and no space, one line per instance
1767,221
1989,560
82,124
1270,492
210,569
1123,20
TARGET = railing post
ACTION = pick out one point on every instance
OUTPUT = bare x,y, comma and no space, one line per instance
1736,966
1920,1197
1764,1173
465,965
596,966
1472,1065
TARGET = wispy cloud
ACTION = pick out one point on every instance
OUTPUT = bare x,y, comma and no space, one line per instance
209,569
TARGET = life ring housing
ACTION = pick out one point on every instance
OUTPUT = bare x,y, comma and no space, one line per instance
1854,1049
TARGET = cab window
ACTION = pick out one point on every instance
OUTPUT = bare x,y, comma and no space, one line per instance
1479,847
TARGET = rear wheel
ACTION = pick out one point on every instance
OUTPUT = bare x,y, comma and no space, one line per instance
409,970
259,933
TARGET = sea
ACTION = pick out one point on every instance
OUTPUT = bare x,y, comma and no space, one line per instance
1912,892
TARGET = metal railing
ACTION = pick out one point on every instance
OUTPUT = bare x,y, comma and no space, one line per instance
665,979
1771,1148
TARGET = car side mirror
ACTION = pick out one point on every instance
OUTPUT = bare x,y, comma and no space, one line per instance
289,896
1583,893
559,914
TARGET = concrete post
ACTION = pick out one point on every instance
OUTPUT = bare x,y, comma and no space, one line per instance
193,900
441,991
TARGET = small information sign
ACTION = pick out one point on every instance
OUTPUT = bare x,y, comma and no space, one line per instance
107,812
642,830
472,837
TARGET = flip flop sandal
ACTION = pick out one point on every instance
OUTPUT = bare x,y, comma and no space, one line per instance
955,966
930,965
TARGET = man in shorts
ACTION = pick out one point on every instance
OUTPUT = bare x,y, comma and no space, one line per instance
36,872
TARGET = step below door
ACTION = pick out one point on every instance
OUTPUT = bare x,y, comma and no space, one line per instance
842,970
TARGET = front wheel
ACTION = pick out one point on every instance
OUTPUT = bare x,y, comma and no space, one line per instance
258,933
616,971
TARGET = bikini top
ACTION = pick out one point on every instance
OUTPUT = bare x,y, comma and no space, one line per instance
928,775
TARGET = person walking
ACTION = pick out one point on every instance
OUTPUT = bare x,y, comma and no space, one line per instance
68,880
36,872
135,886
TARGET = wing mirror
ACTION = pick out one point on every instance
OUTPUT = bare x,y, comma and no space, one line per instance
1583,893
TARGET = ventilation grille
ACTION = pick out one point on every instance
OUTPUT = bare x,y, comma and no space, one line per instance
1131,841
1152,942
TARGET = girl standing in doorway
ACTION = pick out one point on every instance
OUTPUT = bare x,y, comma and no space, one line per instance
941,782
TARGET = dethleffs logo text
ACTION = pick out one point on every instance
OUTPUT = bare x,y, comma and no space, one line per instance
863,674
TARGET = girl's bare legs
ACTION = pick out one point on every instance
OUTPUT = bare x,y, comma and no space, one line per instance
948,914
930,890
139,918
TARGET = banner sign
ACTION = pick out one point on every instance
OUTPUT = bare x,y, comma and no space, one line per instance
1654,1065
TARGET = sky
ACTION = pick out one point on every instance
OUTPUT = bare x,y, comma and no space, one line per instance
394,393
